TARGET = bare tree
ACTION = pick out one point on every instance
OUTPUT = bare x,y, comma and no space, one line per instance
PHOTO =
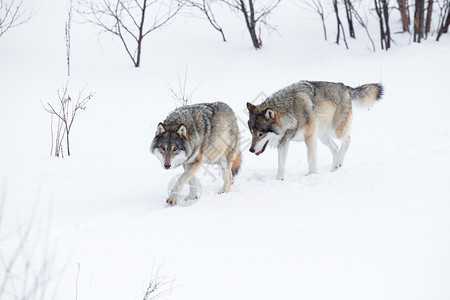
254,15
12,14
130,20
205,7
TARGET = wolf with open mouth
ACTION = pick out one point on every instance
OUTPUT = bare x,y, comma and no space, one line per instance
307,111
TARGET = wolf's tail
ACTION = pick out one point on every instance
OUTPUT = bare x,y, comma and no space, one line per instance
367,94
236,165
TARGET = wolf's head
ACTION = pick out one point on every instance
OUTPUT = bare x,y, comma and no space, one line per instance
170,145
264,126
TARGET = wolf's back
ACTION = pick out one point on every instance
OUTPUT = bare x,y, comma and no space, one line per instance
367,94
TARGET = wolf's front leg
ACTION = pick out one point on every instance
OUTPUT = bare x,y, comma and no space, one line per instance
194,186
189,172
282,155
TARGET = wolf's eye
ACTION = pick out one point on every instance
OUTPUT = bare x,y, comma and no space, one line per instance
175,149
260,133
163,148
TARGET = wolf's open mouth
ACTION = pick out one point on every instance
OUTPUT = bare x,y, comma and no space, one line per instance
263,148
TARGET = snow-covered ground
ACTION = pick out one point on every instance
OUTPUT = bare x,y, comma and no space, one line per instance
379,228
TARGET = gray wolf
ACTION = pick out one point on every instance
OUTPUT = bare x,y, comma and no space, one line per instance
307,111
195,134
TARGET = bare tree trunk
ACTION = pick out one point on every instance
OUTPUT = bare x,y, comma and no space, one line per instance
386,23
380,21
250,22
67,142
445,21
348,10
402,5
429,15
140,35
339,24
419,20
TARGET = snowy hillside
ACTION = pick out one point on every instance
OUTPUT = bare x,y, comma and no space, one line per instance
96,225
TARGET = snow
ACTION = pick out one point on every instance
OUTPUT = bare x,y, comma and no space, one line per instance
378,228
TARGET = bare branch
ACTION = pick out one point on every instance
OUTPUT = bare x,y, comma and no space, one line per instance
181,96
13,13
205,7
158,286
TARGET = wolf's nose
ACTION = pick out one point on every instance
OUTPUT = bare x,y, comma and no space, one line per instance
167,165
252,150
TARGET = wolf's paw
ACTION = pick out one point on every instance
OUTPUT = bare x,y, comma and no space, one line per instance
336,167
280,177
172,201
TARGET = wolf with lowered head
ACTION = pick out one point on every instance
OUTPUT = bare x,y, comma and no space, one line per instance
308,111
195,134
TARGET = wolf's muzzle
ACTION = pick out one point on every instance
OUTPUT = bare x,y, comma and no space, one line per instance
167,166
252,150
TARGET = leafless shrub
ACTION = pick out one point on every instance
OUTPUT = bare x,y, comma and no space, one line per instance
12,14
65,112
158,286
181,96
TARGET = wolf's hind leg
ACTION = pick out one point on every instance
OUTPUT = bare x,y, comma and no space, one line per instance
340,156
311,147
225,166
328,141
282,154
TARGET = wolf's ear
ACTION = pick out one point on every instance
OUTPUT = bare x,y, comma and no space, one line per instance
270,114
182,131
250,107
161,129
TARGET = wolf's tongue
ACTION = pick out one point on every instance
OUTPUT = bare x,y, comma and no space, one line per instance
262,150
